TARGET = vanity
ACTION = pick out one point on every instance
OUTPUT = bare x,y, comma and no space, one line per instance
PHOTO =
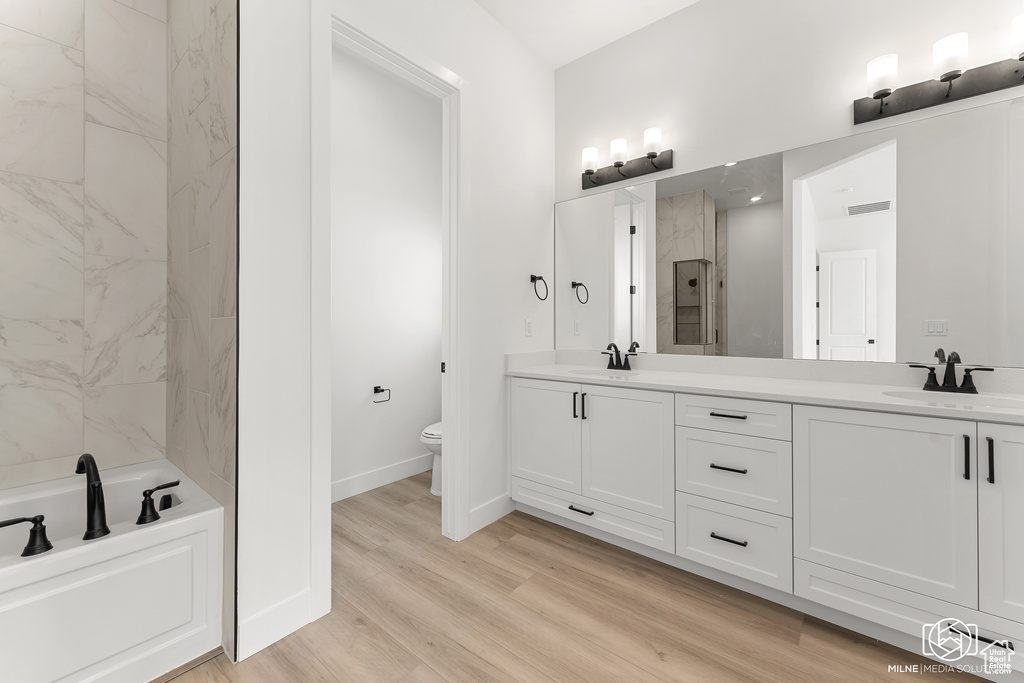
840,499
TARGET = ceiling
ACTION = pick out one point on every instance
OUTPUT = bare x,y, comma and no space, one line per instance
732,186
862,179
561,31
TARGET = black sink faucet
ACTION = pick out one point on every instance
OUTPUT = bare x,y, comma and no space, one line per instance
949,379
940,355
614,361
95,506
632,352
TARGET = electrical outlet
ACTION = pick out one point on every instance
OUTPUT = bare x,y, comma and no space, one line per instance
935,328
576,328
529,327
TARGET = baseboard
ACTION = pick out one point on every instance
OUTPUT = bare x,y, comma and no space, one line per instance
490,512
361,483
202,659
272,624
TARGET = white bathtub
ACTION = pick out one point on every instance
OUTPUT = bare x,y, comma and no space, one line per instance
129,606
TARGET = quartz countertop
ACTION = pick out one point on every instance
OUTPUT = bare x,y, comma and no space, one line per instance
910,400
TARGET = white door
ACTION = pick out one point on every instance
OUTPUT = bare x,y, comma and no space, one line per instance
891,498
847,320
1001,520
628,449
545,432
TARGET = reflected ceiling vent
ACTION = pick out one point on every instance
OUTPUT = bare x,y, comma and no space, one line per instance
873,207
739,190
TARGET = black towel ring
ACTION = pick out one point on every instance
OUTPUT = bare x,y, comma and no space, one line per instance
576,287
539,278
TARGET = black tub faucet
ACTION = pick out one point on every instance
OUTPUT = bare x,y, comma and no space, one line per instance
614,361
95,506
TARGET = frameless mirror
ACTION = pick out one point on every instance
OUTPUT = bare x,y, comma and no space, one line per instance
881,246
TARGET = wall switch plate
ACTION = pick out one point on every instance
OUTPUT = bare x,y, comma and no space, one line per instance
935,328
576,328
529,327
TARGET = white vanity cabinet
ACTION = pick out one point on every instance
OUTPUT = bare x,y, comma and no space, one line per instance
611,448
1001,520
892,498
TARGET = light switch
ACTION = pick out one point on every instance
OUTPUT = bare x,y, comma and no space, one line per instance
529,327
935,328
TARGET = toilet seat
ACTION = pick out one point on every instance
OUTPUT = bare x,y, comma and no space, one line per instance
432,433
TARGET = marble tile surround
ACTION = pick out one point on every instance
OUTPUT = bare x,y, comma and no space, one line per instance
41,109
83,243
122,88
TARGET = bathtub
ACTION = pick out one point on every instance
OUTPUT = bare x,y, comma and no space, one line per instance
130,606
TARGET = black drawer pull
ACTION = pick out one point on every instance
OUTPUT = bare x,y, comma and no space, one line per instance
731,417
967,457
991,459
574,395
727,469
983,639
728,540
583,406
582,512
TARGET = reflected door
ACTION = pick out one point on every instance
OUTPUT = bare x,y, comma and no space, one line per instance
847,319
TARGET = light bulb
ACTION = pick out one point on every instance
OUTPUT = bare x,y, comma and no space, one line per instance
589,160
882,73
949,57
652,142
618,151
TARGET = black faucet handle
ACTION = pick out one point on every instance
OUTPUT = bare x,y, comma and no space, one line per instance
37,541
967,386
625,360
149,513
932,383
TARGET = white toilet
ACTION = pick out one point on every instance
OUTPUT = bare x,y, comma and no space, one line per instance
431,436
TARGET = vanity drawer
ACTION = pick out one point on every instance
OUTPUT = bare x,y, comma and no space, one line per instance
749,543
744,470
735,416
636,526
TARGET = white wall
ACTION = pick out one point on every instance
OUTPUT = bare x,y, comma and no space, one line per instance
386,274
281,510
505,233
754,291
735,79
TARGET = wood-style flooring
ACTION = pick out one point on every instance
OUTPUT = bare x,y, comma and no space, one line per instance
525,600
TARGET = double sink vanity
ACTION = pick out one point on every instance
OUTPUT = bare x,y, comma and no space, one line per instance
897,506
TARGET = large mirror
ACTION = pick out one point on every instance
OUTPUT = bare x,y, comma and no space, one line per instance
881,246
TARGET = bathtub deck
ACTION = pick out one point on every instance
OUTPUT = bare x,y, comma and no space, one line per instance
526,600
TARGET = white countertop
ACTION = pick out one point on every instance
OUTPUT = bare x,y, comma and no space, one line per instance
987,407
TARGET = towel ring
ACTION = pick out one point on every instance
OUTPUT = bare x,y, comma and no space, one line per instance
576,287
539,278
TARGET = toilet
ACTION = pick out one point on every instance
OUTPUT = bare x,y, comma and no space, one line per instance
431,436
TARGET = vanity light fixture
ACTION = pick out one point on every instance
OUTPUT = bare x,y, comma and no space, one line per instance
622,167
949,63
1017,37
882,78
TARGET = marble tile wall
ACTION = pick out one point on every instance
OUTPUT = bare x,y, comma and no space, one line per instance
202,251
83,234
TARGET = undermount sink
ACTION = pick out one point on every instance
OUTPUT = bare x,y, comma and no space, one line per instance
939,398
606,374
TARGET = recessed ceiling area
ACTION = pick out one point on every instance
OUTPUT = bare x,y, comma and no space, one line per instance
732,186
561,31
864,179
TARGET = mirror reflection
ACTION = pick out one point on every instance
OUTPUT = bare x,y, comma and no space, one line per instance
882,246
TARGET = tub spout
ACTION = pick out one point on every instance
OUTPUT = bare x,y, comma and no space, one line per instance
95,505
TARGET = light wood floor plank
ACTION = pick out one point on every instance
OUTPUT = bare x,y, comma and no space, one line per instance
527,600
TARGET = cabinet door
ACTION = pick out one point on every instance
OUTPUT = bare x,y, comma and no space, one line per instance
1001,520
888,497
545,437
628,454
